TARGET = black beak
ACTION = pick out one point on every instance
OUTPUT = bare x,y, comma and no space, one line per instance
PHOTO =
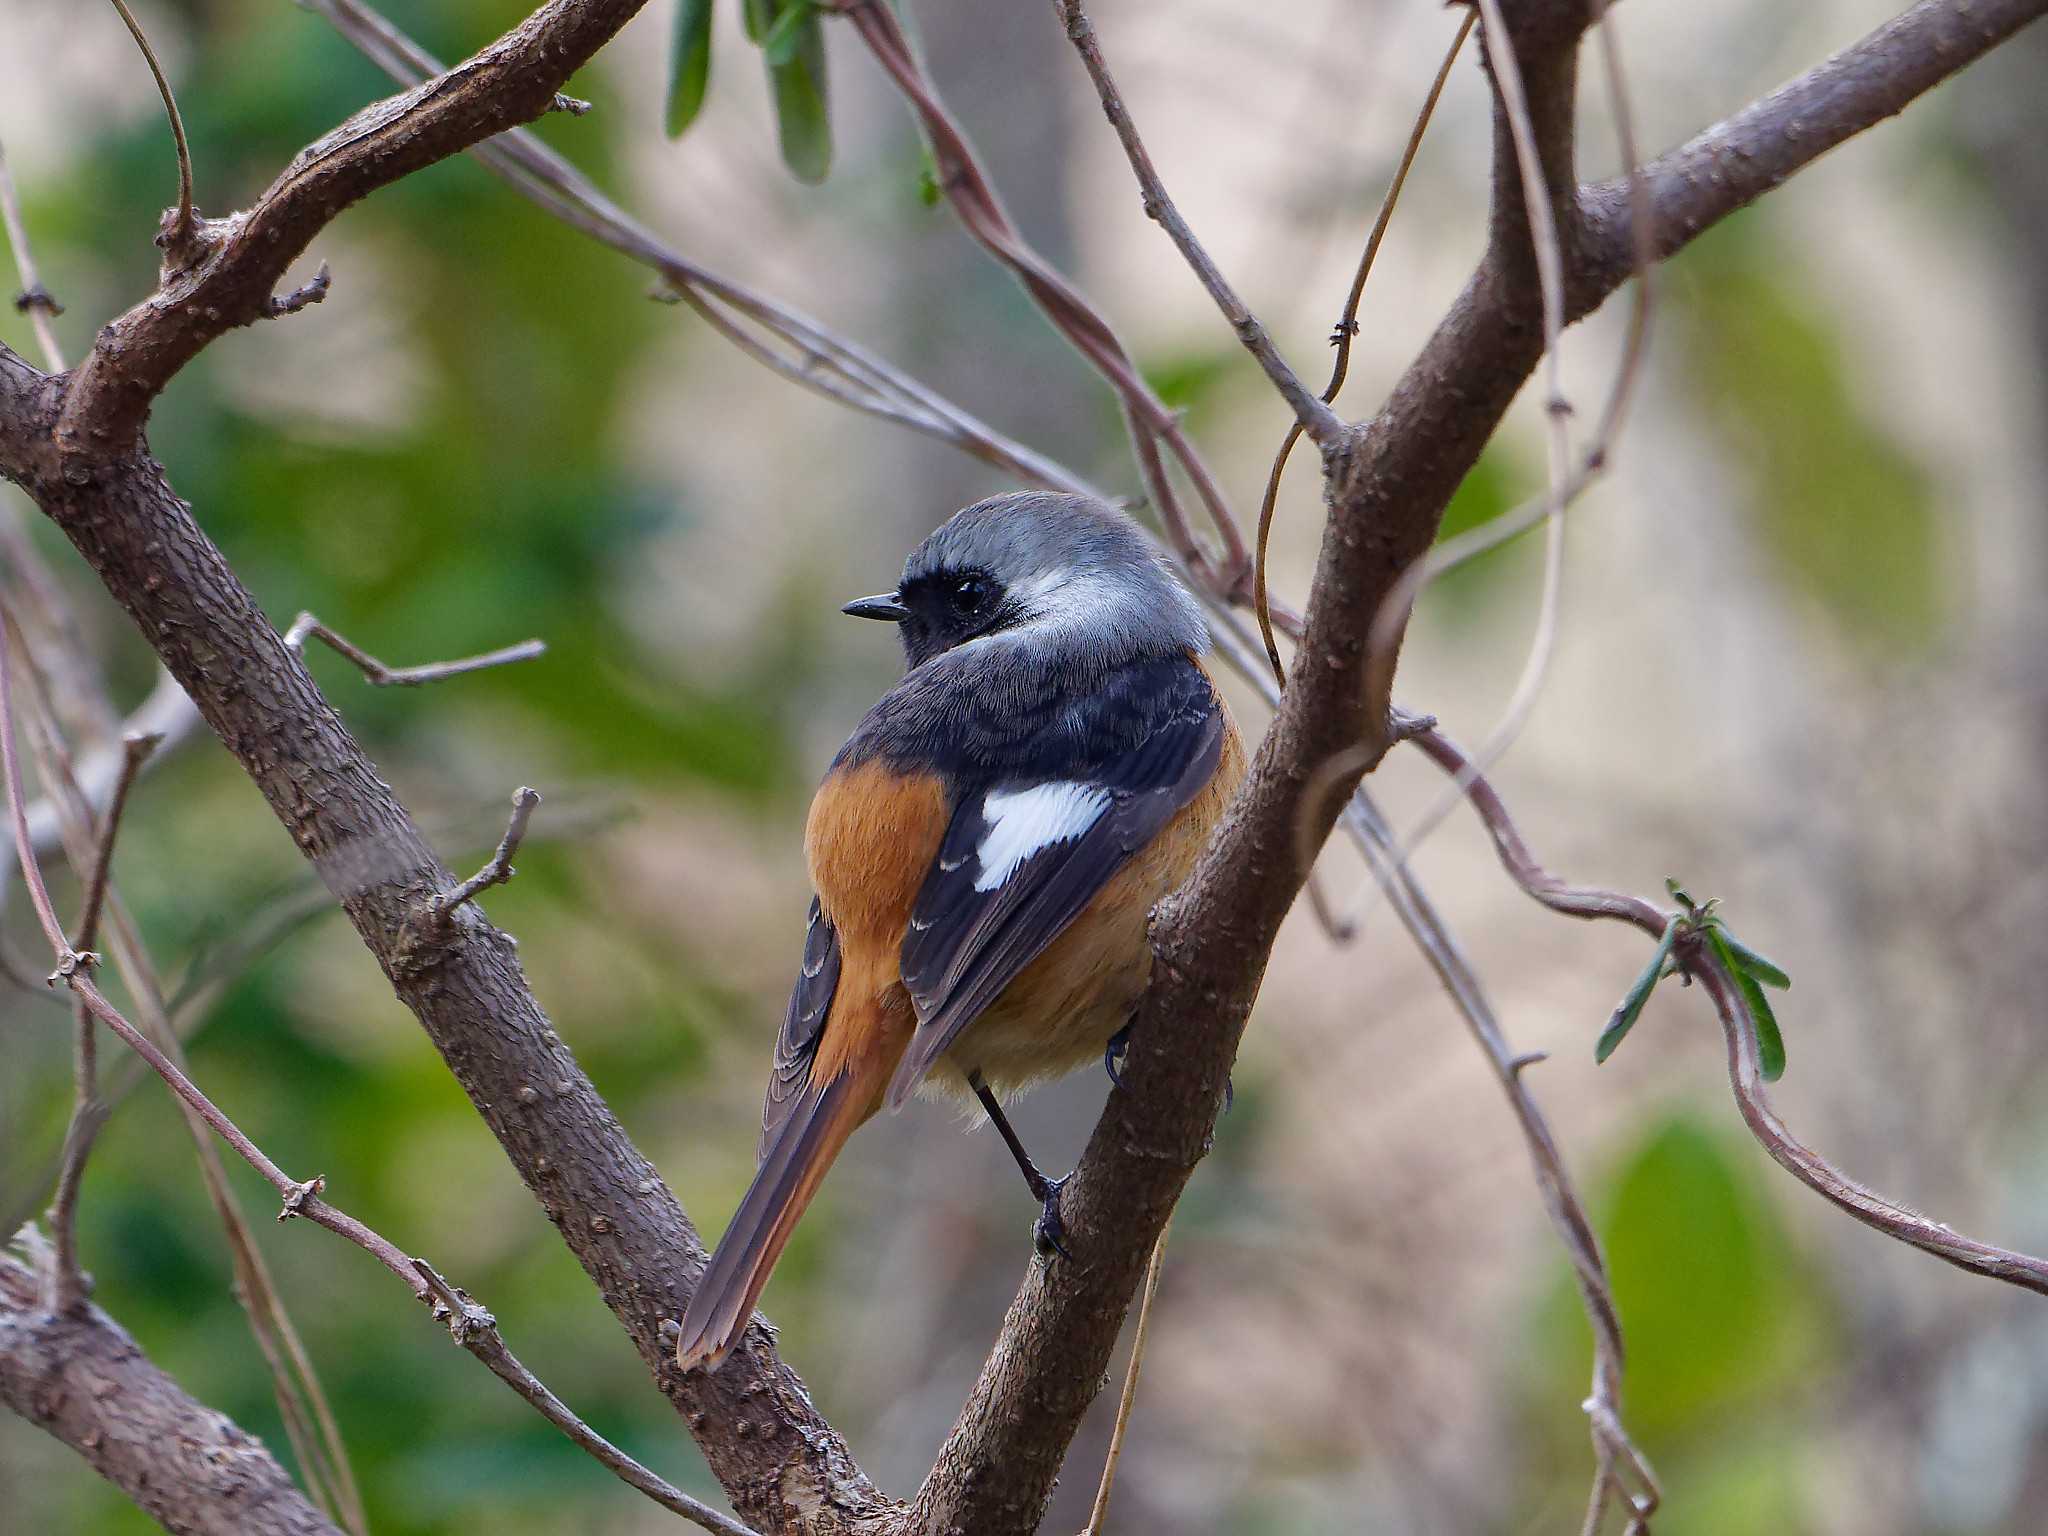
881,606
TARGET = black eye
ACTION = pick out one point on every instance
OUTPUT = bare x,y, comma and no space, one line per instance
972,594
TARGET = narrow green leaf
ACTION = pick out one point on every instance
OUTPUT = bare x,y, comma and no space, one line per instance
689,65
779,46
801,114
1624,1017
757,16
1750,963
1770,1043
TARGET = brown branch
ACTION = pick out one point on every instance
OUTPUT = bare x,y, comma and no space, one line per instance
1616,1456
1389,484
1341,336
301,1400
80,1377
498,868
469,1324
378,675
791,344
34,300
967,189
176,238
1311,413
235,264
1745,1072
89,1110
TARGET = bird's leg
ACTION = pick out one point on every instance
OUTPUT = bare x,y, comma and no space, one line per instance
1113,1060
1050,1231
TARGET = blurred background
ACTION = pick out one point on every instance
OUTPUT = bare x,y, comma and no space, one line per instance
1801,667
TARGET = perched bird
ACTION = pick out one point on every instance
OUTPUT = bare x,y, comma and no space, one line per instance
986,849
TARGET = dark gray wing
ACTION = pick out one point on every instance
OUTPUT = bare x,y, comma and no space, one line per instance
797,1045
998,895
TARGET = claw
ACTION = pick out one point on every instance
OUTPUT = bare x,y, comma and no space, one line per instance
1113,1053
1049,1231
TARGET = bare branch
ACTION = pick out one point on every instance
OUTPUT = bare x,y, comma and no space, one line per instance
465,986
966,187
1100,1513
498,868
1388,485
81,1378
380,676
234,265
311,291
470,1325
1736,161
1745,1074
176,238
34,300
1341,336
89,1112
1312,414
1615,1453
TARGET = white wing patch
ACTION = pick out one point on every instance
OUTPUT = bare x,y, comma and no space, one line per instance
1023,821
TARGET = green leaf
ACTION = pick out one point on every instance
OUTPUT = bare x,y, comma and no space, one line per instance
1631,1008
1750,963
779,46
757,16
1770,1044
801,115
689,65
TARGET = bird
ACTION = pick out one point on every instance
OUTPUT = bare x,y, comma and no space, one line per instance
985,851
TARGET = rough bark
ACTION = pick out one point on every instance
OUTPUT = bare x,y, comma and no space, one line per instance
82,1379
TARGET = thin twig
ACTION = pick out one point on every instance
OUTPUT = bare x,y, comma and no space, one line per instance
791,344
1341,337
67,1285
1456,551
1549,252
34,300
1311,414
302,1403
1100,1512
1745,1071
965,184
379,675
498,868
469,1325
1613,1449
175,238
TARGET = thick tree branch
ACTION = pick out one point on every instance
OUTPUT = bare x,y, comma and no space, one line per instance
1389,482
235,264
1388,485
71,443
80,1377
1737,160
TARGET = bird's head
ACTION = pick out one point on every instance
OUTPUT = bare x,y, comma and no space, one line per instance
1065,575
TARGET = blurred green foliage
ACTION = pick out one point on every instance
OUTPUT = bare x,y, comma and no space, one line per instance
1844,514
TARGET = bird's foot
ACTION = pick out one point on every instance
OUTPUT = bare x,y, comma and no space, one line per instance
1049,1232
1113,1055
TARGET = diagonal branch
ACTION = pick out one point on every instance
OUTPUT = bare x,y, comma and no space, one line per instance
80,1377
1389,483
1312,412
235,264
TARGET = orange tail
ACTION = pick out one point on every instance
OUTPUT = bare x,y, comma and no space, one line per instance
789,1175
